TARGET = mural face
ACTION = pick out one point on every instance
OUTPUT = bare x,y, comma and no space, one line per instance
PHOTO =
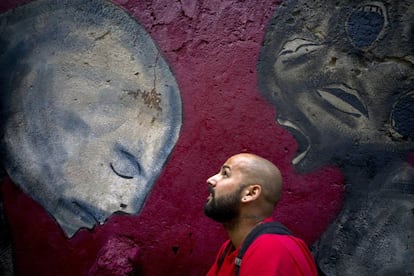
339,72
90,109
336,80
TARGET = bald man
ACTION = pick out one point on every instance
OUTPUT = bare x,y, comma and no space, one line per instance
243,195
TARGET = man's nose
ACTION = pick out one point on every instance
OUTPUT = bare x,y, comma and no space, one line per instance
211,181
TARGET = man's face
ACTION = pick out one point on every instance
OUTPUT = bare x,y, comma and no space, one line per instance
223,208
92,119
223,203
333,86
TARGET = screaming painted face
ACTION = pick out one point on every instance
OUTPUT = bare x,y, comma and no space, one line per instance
338,76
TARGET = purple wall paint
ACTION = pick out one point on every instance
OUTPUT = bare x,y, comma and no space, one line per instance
212,48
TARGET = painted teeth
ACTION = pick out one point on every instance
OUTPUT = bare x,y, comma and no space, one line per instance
302,154
372,8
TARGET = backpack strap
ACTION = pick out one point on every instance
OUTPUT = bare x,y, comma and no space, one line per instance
264,228
225,252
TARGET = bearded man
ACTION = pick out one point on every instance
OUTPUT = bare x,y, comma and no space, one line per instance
242,197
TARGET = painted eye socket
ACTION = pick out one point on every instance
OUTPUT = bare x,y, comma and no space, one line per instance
298,47
125,164
344,99
367,24
402,115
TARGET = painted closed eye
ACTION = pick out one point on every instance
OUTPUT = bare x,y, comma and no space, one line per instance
298,47
125,164
367,24
344,99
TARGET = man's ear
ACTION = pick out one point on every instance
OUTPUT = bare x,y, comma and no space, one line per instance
251,193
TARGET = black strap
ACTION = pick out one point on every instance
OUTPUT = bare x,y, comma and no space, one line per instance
264,228
225,252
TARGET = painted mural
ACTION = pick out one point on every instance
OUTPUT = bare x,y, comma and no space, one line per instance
341,76
90,109
114,113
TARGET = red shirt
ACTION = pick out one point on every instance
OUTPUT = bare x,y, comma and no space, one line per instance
269,254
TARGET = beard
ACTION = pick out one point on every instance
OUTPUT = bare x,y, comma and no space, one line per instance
223,209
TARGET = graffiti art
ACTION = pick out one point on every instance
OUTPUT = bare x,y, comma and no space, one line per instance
90,109
338,73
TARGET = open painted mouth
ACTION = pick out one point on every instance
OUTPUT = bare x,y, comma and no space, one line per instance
303,141
367,24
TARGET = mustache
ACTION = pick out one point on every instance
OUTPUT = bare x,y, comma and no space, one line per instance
210,190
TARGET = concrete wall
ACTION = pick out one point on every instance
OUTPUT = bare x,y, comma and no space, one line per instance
322,89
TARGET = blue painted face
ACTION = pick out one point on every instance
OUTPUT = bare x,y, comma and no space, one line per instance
92,110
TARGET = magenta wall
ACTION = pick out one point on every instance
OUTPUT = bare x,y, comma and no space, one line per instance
212,48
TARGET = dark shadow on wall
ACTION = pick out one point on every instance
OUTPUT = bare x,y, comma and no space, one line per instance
341,76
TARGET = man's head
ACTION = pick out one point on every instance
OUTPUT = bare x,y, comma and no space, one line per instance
246,185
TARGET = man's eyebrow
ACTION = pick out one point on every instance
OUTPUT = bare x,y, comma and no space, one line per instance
225,167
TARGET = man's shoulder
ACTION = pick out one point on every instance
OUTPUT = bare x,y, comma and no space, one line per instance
276,244
271,239
273,252
281,253
270,234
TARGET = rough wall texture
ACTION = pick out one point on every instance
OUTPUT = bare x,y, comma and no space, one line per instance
214,50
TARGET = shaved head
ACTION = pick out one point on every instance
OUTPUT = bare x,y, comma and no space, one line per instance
247,186
257,170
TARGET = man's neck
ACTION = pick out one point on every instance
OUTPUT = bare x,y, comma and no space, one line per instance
239,229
